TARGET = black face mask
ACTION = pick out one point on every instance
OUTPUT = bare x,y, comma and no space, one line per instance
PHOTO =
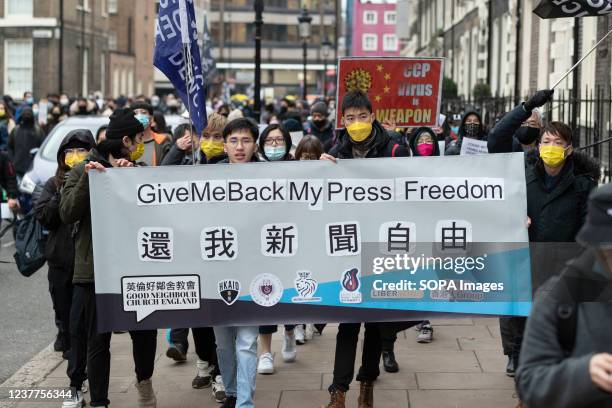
82,110
527,135
319,123
472,131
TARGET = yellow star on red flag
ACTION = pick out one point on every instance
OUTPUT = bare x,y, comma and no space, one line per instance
377,98
379,68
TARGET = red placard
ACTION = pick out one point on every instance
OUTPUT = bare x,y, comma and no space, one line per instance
405,91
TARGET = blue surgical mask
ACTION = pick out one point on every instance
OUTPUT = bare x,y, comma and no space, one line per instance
144,119
275,153
35,112
29,100
455,129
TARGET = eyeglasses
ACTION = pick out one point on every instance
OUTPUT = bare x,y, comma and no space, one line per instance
275,141
234,142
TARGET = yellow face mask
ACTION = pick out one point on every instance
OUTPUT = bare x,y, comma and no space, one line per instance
74,158
552,156
211,148
359,131
137,154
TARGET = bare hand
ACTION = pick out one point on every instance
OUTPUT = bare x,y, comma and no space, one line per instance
600,369
184,143
123,163
94,165
389,124
528,222
328,157
13,204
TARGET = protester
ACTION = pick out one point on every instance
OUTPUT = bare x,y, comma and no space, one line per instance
101,134
237,345
158,123
471,128
59,251
211,144
28,102
319,126
27,135
423,142
83,107
566,357
7,124
309,148
362,137
454,123
8,181
275,144
559,181
123,135
155,145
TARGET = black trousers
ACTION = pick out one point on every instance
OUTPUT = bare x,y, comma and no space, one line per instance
77,356
144,344
346,351
274,329
389,330
60,289
512,330
205,345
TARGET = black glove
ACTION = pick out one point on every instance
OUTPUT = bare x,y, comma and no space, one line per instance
538,99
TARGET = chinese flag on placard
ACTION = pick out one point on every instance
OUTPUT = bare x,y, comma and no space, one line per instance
403,91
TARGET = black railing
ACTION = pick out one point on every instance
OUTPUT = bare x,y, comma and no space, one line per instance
589,115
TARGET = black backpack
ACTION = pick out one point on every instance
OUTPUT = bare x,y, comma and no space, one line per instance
30,242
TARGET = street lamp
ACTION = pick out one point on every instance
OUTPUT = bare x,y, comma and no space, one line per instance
259,7
325,51
304,19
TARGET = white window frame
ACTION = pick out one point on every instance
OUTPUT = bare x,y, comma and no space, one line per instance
364,41
387,37
8,14
389,13
17,93
372,13
112,41
84,7
112,6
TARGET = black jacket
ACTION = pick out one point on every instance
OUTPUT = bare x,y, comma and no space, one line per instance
501,138
60,242
453,147
178,157
550,374
383,145
21,141
556,216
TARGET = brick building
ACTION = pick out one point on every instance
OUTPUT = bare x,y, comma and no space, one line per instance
76,46
372,31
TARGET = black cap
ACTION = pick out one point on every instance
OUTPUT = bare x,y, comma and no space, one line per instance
123,123
598,226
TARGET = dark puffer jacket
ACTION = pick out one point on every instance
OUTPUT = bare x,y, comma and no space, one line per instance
381,146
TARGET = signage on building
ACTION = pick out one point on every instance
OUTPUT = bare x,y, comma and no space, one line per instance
404,92
42,34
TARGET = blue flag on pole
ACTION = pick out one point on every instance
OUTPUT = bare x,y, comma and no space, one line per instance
177,55
209,65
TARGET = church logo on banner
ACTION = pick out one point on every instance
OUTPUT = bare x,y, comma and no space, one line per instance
350,287
266,289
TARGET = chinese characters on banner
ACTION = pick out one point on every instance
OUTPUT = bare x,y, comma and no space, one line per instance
404,91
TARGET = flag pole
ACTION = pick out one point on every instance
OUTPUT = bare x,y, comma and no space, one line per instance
580,60
184,21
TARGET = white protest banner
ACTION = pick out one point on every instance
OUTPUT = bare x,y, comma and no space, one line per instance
473,146
310,241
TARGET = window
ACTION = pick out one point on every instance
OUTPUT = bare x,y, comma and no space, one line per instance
112,6
370,42
18,67
83,5
85,71
370,17
112,41
18,7
390,17
390,42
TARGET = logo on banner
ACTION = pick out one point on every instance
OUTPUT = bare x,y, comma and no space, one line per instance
306,287
229,290
266,290
350,287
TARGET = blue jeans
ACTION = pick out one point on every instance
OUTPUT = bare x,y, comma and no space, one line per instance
237,355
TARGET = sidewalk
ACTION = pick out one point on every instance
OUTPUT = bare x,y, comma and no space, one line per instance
462,367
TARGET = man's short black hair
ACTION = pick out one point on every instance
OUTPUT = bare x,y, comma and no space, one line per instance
180,131
241,124
356,99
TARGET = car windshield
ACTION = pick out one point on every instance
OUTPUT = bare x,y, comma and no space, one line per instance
49,150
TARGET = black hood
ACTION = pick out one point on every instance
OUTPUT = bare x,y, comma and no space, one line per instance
80,136
412,139
24,111
462,127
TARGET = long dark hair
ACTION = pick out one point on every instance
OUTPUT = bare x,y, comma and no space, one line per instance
115,147
7,109
286,136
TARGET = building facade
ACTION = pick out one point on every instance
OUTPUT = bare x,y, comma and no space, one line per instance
76,46
373,28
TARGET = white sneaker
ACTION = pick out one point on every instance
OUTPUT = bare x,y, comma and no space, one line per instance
299,334
266,364
75,401
85,387
289,352
309,333
426,334
218,389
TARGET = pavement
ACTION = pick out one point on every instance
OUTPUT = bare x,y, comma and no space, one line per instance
463,367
